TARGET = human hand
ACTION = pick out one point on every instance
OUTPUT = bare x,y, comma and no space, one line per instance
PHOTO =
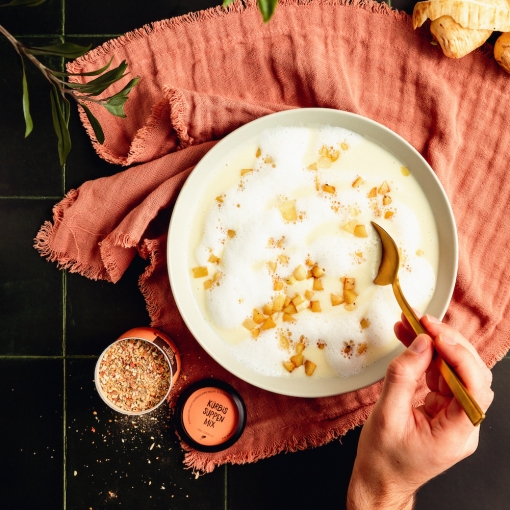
401,447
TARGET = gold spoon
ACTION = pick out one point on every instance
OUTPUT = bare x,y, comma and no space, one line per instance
388,274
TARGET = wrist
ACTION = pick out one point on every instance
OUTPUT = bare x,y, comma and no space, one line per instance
367,493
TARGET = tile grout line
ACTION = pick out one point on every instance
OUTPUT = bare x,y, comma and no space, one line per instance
225,488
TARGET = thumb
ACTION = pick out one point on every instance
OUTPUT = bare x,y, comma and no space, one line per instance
403,375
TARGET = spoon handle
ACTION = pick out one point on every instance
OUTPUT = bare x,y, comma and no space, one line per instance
468,403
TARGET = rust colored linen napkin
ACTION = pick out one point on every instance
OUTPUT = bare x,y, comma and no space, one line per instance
205,74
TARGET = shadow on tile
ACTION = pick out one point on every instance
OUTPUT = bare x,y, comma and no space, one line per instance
32,445
115,460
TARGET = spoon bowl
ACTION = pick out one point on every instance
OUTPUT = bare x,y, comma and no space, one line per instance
388,275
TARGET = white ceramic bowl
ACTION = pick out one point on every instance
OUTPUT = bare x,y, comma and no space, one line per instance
190,205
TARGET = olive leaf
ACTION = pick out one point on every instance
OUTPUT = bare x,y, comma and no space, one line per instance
267,8
60,112
115,104
29,125
100,84
28,3
96,126
89,73
66,50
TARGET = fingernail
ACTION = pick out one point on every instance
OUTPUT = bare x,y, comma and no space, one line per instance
419,345
432,319
446,339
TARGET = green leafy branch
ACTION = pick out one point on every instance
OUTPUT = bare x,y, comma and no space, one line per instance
62,89
266,7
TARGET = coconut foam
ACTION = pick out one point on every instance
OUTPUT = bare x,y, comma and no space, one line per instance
325,176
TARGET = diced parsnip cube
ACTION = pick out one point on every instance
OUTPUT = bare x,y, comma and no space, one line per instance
208,284
278,302
359,254
316,306
268,324
231,233
283,259
350,307
350,226
245,171
299,273
317,183
277,285
360,231
290,309
362,348
297,359
303,306
300,347
213,259
290,280
284,341
308,294
309,262
386,200
258,153
364,323
420,253
327,188
388,215
317,271
324,162
200,272
350,296
287,301
383,188
297,299
267,309
268,159
336,299
287,317
289,366
258,317
309,274
288,210
317,284
372,193
313,166
255,333
358,182
405,171
344,146
249,324
219,199
349,283
310,367
272,266
216,276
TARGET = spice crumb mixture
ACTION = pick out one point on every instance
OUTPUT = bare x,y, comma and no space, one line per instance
134,374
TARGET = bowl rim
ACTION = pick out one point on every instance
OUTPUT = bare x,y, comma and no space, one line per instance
189,199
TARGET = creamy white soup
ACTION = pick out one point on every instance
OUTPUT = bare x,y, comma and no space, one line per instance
283,259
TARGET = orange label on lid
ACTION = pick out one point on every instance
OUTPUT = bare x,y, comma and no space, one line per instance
210,417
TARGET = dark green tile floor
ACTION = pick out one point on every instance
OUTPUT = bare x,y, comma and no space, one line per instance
60,446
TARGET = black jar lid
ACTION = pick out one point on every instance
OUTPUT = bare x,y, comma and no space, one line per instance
210,415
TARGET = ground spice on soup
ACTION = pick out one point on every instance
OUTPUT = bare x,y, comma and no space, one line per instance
134,375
